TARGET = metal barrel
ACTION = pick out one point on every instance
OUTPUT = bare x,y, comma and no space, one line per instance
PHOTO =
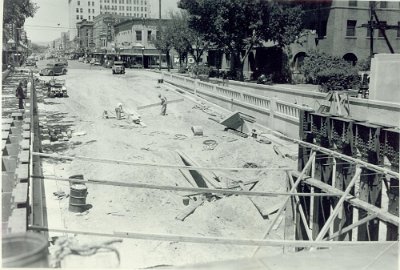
77,198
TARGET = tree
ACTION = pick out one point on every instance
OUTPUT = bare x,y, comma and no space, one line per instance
163,41
180,35
16,11
239,25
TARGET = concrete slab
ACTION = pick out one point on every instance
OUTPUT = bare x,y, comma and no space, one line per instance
6,205
17,116
20,195
25,144
9,164
26,134
12,149
18,221
26,126
7,181
6,127
6,121
22,173
24,156
5,135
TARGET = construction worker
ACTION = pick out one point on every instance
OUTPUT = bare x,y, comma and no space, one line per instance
118,111
163,104
20,95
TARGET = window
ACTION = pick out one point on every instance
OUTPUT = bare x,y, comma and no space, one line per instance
352,3
383,25
81,10
81,17
77,10
149,35
89,18
79,3
138,35
88,10
88,3
158,35
383,4
351,28
77,17
93,3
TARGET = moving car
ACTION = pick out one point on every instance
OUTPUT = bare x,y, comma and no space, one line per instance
56,88
52,69
118,67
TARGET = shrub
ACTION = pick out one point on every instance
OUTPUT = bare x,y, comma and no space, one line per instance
332,73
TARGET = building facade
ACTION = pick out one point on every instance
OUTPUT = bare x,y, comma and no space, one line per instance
134,41
342,30
79,10
103,30
131,8
85,36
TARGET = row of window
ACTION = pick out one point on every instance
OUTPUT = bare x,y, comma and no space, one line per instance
79,3
123,2
81,10
122,8
138,15
352,25
382,4
139,34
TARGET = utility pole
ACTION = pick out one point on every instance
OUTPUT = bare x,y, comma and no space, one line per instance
371,28
159,17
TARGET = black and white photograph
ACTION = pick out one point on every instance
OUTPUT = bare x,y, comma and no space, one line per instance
200,134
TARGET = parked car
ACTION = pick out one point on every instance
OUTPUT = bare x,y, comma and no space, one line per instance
118,67
92,61
56,88
97,63
53,69
80,59
30,63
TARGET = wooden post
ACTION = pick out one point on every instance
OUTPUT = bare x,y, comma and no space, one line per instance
324,229
196,85
294,187
272,109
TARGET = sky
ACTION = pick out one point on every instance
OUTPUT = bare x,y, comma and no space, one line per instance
52,18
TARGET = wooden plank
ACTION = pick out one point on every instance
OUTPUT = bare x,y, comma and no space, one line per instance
352,226
159,104
216,240
294,187
22,172
18,221
20,195
6,127
382,214
189,210
207,176
173,188
338,206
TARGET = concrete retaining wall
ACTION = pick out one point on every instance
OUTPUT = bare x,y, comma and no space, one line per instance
278,107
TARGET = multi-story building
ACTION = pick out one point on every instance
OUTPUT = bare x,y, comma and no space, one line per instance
79,10
131,8
85,35
134,41
65,40
341,28
103,30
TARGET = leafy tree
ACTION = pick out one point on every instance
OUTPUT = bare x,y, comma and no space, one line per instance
16,11
180,35
163,41
239,25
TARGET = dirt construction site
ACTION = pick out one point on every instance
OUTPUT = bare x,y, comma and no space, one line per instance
157,140
96,174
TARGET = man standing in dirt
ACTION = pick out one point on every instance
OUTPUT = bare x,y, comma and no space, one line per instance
20,95
163,104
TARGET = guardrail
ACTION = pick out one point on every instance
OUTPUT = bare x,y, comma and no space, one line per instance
277,114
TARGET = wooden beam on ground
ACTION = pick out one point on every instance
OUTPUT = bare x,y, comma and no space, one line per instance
301,211
157,165
177,188
215,240
352,226
382,214
208,176
253,182
338,206
159,104
294,187
189,210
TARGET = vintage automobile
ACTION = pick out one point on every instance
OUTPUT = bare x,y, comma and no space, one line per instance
30,63
52,69
118,67
63,61
56,88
